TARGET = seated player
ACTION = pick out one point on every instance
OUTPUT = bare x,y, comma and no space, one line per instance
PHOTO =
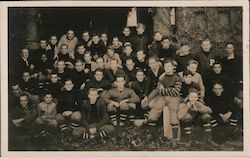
63,54
130,69
89,65
140,62
156,44
97,47
123,99
46,120
79,76
167,50
117,45
80,50
115,70
95,121
192,109
127,54
68,109
54,86
166,94
126,35
62,71
101,65
224,115
22,118
111,55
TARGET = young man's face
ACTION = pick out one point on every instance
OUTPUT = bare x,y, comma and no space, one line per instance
126,32
64,49
188,79
25,53
54,78
110,52
230,48
128,50
206,46
93,95
165,43
16,90
44,58
48,98
168,67
104,37
152,63
158,36
26,76
87,57
193,97
68,85
70,34
79,66
192,68
140,55
85,36
98,75
115,42
95,39
140,76
130,64
185,48
218,89
43,44
53,40
217,68
81,49
113,65
120,82
24,101
140,30
100,63
61,65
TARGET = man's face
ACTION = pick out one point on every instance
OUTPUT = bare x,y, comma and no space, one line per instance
140,30
113,65
165,44
79,66
128,50
61,65
16,90
43,44
217,68
206,46
120,82
87,57
140,55
158,36
95,39
48,98
81,49
140,76
193,97
188,79
192,68
126,32
44,58
152,63
53,40
185,48
100,63
115,42
98,76
130,65
230,49
168,67
25,53
104,37
26,76
68,85
218,89
64,49
110,52
93,95
85,36
24,101
54,78
70,34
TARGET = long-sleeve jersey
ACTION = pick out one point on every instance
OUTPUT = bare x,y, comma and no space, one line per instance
29,113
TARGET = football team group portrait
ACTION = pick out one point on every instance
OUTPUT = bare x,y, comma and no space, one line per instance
122,79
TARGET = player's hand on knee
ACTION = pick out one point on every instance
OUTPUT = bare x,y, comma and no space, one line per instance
67,113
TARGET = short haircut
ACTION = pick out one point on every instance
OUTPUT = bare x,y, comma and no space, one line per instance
120,75
206,39
79,45
157,32
68,79
115,37
185,43
99,70
110,48
139,70
140,25
87,52
130,59
64,45
127,45
193,90
60,61
47,93
186,73
141,50
95,34
126,27
153,57
24,94
114,60
230,42
192,61
100,58
165,37
169,61
26,72
93,90
53,73
217,62
78,61
219,83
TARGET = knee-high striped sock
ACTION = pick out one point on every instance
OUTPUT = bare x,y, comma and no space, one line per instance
213,123
151,123
123,116
175,128
103,134
74,125
233,122
112,116
207,128
131,115
63,127
188,129
85,136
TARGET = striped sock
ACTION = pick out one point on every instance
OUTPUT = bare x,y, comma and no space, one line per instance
207,128
85,136
113,117
74,125
103,134
233,122
123,117
152,123
43,133
213,123
63,127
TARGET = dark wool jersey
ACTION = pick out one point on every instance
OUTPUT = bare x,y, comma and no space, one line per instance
125,39
84,43
112,75
118,50
124,57
99,85
63,76
98,49
93,112
131,74
140,42
79,56
167,53
29,113
55,89
154,78
36,55
182,61
78,78
142,65
64,57
44,66
141,88
31,86
68,101
186,87
155,48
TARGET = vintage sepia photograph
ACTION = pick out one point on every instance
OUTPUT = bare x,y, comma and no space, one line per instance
116,77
